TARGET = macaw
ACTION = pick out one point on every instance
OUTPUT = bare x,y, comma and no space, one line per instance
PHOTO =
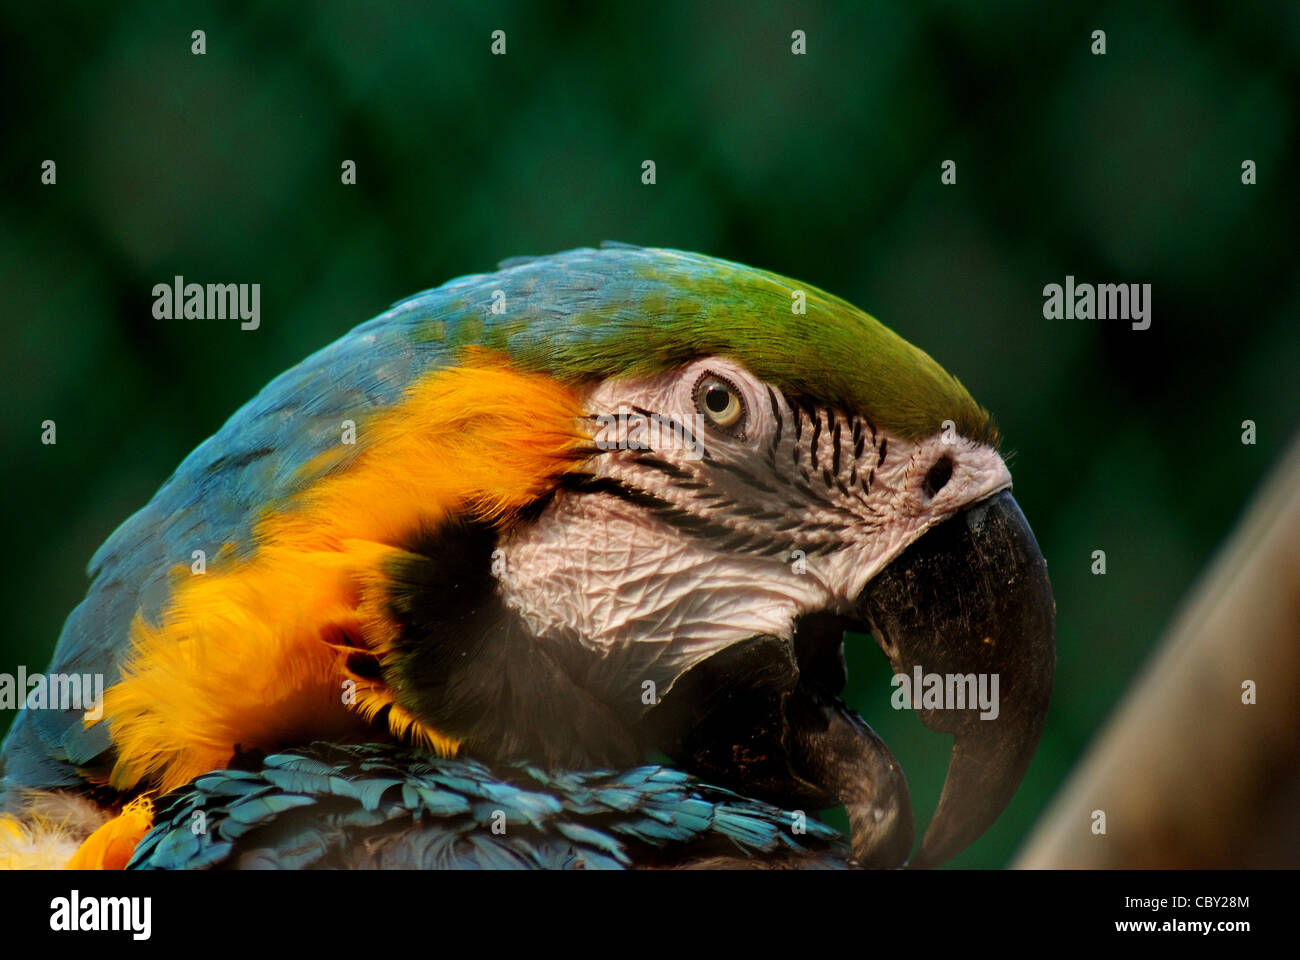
441,594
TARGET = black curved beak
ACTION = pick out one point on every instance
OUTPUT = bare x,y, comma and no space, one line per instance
970,602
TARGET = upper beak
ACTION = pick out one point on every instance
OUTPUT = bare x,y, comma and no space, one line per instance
972,596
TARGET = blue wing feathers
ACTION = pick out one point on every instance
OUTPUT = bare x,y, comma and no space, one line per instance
414,813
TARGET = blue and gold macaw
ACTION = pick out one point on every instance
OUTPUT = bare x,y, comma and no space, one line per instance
438,593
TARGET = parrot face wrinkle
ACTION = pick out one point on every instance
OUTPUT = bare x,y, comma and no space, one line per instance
654,559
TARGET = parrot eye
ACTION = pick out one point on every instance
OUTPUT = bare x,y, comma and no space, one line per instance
720,401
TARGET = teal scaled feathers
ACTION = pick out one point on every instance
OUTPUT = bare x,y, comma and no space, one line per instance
383,806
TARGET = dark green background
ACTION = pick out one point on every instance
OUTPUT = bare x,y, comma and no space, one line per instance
825,167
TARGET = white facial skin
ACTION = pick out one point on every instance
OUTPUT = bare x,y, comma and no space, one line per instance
683,553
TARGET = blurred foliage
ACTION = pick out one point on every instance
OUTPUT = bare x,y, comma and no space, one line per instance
1122,168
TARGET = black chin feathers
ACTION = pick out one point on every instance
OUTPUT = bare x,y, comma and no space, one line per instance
466,665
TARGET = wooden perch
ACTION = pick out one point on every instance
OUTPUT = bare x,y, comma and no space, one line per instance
1187,774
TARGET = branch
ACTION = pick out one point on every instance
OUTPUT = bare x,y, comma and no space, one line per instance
1185,772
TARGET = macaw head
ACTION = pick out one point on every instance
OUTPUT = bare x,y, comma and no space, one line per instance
612,501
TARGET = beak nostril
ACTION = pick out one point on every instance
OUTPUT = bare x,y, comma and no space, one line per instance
938,476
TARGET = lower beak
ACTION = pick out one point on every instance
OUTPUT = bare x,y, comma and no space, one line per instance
972,597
